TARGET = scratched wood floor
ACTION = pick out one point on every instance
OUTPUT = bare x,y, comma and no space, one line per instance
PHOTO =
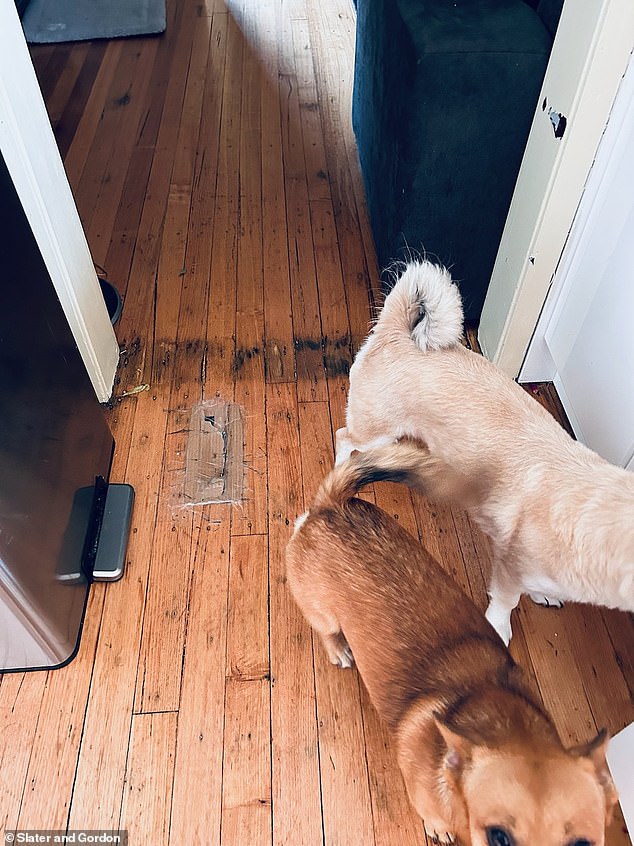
216,176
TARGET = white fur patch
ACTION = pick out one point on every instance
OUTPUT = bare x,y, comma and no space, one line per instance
627,587
431,287
300,522
346,447
500,618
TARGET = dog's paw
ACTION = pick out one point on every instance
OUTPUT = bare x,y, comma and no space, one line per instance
345,658
338,650
546,601
439,835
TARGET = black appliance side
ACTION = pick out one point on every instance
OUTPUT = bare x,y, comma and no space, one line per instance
55,456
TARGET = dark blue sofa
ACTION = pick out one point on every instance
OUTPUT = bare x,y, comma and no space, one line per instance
444,95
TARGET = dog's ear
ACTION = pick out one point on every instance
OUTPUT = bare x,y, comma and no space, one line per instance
458,746
595,750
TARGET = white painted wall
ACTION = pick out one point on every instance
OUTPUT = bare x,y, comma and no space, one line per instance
584,340
28,146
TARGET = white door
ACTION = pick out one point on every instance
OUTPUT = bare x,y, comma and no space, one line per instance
584,340
28,147
590,54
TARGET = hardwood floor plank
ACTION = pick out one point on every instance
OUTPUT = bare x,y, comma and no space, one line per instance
621,632
396,500
249,517
346,803
158,679
247,613
474,550
60,725
20,699
149,777
79,149
358,267
393,818
51,70
333,42
58,98
98,201
279,350
162,641
438,535
199,741
41,56
120,100
316,165
563,692
294,745
246,811
307,329
609,697
246,791
334,309
97,796
118,259
168,66
221,325
136,327
66,125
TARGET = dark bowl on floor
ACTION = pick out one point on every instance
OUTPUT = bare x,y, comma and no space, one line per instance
112,299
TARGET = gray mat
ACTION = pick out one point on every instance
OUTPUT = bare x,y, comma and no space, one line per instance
47,21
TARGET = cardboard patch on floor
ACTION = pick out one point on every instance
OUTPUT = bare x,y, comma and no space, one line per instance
214,458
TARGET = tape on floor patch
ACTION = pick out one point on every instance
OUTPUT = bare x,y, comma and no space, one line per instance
214,458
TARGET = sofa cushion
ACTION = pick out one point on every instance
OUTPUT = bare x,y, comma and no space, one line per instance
550,12
474,26
444,96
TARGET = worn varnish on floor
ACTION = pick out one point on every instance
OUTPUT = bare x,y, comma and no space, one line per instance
216,175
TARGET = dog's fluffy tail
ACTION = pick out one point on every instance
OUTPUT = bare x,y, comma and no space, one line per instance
425,304
406,462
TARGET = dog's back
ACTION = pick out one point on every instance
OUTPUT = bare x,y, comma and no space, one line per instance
465,724
558,515
412,630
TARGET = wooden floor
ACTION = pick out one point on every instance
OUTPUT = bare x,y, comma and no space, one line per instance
215,172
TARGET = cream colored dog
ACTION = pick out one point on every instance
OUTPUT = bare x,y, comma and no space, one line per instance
482,762
561,519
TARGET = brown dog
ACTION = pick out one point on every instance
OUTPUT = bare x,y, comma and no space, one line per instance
560,518
482,762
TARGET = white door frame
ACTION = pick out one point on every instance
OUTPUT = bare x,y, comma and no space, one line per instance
590,54
604,181
32,157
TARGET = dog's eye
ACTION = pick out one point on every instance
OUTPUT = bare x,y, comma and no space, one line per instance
499,837
581,842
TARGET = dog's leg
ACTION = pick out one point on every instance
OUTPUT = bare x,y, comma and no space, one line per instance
499,614
504,597
343,446
327,627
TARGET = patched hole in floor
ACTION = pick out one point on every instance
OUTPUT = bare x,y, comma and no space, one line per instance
214,457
